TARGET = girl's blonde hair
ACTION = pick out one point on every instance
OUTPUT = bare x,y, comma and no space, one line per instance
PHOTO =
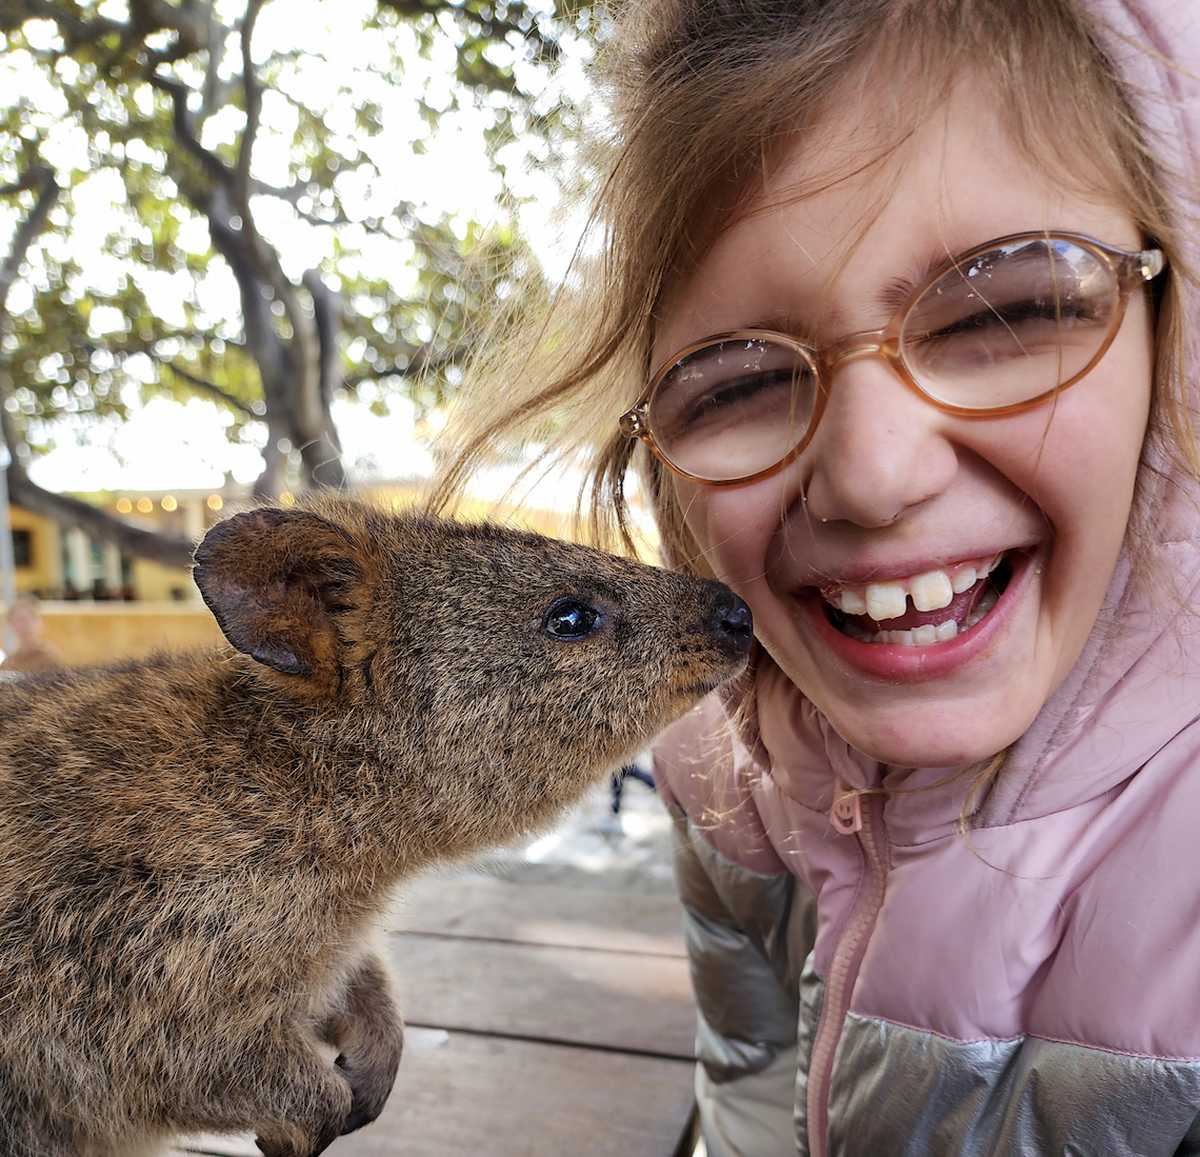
703,94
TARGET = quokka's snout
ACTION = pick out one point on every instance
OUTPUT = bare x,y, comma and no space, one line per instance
194,849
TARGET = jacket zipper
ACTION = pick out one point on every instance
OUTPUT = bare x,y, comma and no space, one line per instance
862,815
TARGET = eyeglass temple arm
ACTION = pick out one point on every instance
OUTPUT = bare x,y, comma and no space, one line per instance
1146,264
632,423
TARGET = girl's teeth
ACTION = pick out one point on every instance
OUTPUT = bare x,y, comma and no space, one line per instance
948,630
917,637
985,604
885,601
932,591
852,603
964,580
929,592
924,636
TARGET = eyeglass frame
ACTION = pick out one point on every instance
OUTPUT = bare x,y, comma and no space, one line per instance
1130,268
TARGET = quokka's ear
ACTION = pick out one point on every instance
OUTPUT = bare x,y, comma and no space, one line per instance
274,579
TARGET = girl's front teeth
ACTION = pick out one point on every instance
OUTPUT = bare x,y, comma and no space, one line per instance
929,591
865,608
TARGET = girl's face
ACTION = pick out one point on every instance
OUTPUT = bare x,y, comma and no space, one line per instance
892,491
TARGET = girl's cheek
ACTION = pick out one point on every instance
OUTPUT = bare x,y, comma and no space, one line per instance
732,535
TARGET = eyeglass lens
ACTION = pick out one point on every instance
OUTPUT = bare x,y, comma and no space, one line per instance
995,330
726,408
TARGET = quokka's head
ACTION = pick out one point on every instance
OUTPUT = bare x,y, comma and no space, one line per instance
479,641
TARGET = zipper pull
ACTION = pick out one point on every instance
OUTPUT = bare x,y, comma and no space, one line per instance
846,813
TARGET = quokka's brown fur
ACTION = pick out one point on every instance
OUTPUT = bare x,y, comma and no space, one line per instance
195,850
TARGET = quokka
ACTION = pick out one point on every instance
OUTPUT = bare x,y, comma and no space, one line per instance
195,850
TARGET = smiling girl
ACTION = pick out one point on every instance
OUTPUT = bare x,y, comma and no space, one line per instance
892,319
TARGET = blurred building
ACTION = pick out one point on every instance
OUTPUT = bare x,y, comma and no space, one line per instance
64,564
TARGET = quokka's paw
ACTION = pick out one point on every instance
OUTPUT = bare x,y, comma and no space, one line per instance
276,1148
370,1085
320,1128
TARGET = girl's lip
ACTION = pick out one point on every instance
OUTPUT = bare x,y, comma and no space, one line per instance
899,664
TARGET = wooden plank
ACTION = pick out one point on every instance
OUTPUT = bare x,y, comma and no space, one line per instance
492,909
466,1096
460,1095
613,1000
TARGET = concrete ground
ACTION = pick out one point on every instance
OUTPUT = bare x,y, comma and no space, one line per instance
592,848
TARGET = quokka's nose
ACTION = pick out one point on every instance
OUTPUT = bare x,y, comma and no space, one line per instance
732,621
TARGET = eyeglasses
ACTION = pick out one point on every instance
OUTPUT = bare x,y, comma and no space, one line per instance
995,331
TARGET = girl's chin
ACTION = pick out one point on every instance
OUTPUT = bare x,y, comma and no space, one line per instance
901,746
928,723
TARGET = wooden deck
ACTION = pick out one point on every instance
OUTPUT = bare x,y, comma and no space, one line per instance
542,1021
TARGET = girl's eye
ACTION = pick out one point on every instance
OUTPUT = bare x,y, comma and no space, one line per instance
1011,317
570,618
747,391
997,337
736,380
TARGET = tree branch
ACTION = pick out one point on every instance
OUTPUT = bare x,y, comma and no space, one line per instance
165,549
74,29
252,91
327,316
265,259
421,361
184,133
37,176
498,28
146,17
304,352
323,454
293,194
214,87
205,385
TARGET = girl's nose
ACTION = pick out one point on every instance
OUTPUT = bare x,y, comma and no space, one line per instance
879,449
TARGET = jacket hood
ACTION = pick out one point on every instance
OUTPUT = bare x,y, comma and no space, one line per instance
1136,685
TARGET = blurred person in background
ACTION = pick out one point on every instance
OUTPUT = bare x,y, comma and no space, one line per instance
31,652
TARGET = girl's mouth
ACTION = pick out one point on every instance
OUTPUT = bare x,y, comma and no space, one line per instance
919,610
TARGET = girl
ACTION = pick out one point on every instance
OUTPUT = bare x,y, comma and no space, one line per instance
894,310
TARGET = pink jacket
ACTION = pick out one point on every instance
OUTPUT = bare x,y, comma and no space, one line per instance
1033,986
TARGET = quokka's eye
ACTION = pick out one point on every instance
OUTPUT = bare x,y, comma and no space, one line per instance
570,618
